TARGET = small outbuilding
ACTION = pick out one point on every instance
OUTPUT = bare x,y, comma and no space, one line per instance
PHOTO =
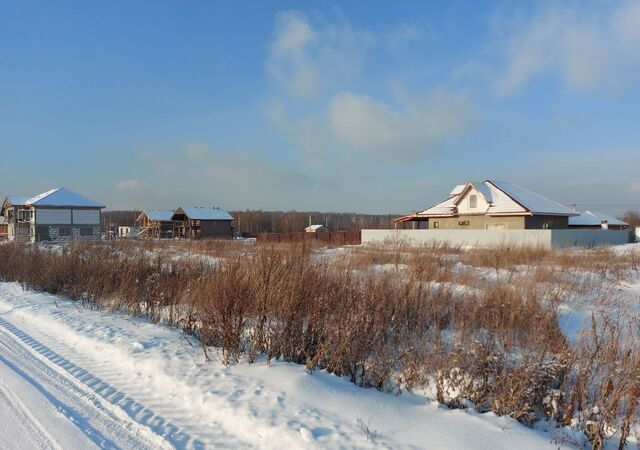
595,220
316,229
127,231
201,223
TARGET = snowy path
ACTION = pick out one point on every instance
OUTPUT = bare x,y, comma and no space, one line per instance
75,378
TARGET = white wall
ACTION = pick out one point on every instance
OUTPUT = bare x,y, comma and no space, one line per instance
482,205
492,238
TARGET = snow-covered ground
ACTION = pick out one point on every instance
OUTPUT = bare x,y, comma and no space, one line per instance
76,378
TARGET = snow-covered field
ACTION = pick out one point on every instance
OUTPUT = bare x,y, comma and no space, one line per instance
75,378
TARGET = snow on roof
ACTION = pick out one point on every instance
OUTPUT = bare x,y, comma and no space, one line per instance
314,227
444,208
595,218
160,215
503,198
484,190
62,197
201,213
458,189
16,200
535,203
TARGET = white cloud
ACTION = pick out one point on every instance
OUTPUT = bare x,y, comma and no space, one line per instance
304,59
410,132
128,185
589,50
195,150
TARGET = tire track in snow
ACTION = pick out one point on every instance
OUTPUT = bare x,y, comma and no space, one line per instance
87,401
21,418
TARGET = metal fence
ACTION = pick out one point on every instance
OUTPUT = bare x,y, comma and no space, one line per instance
330,238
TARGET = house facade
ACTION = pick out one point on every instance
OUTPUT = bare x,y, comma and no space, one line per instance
202,223
491,205
58,215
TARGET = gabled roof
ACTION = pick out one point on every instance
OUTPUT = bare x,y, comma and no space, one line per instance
159,215
595,218
62,197
504,198
482,188
534,203
200,213
442,209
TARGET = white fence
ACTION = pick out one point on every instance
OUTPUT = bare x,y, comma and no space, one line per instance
493,238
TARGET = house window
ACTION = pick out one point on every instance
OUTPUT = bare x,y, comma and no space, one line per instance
436,224
473,201
86,232
545,226
64,232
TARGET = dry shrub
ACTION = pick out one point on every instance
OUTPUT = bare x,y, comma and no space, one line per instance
432,318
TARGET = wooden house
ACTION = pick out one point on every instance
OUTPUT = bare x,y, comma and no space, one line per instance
58,215
201,223
155,224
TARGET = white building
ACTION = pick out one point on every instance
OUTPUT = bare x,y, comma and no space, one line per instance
316,229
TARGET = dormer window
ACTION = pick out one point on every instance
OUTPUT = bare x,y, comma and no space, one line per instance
473,201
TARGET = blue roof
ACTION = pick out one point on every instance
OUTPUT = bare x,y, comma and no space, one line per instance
199,213
17,200
62,197
595,218
535,203
159,215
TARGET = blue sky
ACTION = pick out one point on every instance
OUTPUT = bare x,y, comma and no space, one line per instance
353,106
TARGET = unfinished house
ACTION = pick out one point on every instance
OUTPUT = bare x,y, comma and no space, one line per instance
155,224
17,217
491,205
58,215
4,229
202,223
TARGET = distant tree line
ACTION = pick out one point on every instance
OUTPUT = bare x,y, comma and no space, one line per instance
632,218
258,221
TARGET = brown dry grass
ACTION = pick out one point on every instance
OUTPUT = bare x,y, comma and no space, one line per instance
480,326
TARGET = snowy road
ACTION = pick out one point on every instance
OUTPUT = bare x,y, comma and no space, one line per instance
76,378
